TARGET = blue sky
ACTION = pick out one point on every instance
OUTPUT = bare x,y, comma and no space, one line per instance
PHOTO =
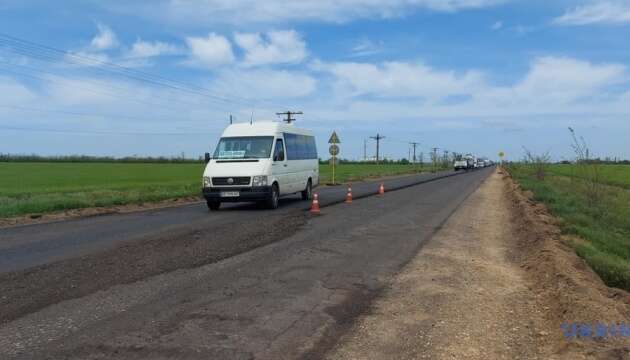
477,76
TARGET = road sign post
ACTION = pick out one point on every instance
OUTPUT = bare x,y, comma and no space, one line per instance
333,150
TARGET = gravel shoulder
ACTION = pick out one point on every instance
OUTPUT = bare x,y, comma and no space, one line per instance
496,282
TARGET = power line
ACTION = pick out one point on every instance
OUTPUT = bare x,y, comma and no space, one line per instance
98,132
101,70
68,79
74,113
91,90
48,53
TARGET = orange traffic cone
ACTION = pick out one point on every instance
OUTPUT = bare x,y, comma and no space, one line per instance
381,189
315,205
349,195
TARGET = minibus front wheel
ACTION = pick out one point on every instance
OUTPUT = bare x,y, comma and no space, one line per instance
272,202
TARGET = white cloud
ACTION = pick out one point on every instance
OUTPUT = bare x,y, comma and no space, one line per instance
400,79
94,54
497,25
523,29
365,47
276,11
86,58
552,85
558,81
211,51
13,92
597,12
265,83
563,75
274,47
105,39
83,91
146,49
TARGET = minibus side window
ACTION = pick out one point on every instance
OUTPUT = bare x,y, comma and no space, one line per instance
278,154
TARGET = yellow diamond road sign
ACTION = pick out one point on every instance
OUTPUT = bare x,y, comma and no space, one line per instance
334,139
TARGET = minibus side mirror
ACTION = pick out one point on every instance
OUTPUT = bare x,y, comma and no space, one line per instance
207,158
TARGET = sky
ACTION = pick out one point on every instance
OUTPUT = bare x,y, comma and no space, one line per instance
162,77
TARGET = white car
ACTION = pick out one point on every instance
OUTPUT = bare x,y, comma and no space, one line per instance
461,164
261,162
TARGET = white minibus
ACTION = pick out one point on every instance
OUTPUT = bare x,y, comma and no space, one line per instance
261,162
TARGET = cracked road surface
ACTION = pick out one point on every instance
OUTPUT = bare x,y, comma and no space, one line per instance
291,298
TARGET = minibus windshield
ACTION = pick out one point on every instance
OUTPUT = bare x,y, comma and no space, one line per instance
245,147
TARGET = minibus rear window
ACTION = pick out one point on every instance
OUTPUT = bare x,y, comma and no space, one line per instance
244,147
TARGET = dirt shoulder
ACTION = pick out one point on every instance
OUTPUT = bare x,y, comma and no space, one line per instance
496,282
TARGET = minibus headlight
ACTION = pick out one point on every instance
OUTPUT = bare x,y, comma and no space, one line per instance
260,180
206,181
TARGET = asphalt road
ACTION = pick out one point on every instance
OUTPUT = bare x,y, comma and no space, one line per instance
23,247
278,285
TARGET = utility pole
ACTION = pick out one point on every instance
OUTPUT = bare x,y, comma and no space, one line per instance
435,150
289,119
364,149
378,139
414,144
230,119
445,158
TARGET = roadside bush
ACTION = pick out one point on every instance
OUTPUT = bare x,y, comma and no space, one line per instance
588,170
539,163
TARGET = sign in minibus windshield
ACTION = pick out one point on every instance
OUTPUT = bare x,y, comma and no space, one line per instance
235,154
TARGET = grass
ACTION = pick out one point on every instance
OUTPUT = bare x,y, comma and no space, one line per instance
40,187
354,172
27,188
603,228
617,175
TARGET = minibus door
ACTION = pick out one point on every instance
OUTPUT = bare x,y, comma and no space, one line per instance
279,167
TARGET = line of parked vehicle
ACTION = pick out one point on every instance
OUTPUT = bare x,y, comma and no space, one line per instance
470,162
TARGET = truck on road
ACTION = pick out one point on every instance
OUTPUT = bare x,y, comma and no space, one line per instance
466,162
260,162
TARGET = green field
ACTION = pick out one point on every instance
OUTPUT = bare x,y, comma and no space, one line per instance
354,172
604,225
27,188
618,175
40,187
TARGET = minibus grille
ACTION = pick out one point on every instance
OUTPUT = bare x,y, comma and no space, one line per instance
236,180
